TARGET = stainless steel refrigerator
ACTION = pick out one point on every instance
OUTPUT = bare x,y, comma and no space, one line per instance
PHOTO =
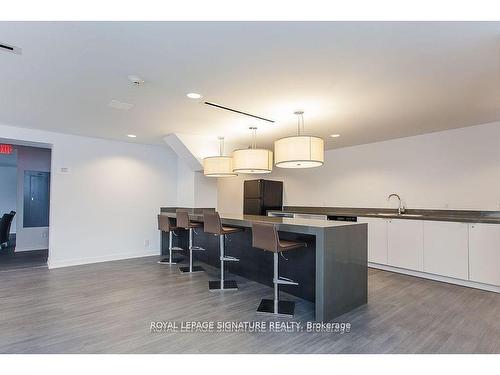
260,196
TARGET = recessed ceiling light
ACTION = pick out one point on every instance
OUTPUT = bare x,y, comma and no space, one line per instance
131,136
136,80
335,135
193,95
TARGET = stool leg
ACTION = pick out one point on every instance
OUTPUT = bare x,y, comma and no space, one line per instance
169,260
221,251
276,291
190,250
222,284
170,247
191,268
275,306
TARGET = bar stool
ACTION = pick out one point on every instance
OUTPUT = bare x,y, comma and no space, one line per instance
265,237
184,222
212,224
165,224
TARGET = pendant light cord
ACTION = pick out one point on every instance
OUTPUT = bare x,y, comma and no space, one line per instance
254,137
221,146
300,122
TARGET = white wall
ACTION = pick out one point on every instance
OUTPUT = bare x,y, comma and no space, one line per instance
194,189
205,191
30,159
106,207
454,169
185,185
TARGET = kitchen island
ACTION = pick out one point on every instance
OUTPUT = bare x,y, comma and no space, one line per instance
331,270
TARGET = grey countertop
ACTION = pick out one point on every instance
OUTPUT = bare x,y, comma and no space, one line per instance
492,217
305,226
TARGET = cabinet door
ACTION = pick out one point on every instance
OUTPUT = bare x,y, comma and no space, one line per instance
446,249
484,253
405,239
377,239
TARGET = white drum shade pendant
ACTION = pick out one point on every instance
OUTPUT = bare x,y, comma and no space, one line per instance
253,160
219,166
300,151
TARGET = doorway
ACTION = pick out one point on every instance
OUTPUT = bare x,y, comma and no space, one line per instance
25,202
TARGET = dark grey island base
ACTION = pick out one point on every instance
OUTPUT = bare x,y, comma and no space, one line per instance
331,270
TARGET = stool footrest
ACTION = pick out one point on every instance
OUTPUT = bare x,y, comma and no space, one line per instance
197,248
284,281
229,259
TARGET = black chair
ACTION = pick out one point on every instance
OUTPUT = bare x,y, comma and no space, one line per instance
5,224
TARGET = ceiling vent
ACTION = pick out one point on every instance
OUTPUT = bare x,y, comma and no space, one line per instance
8,48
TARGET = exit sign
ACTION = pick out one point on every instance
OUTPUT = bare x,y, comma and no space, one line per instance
6,149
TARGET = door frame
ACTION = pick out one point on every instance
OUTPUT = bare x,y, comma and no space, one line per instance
49,146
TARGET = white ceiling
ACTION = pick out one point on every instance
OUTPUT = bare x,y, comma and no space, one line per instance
367,81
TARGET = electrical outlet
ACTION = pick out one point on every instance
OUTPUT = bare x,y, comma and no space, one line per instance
45,234
446,205
65,170
146,243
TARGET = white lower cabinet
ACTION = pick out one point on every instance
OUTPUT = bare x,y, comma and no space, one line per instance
446,246
469,252
484,253
377,239
405,244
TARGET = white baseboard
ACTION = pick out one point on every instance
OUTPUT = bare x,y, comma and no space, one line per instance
106,258
430,276
21,249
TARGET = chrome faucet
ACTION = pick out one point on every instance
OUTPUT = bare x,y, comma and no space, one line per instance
401,207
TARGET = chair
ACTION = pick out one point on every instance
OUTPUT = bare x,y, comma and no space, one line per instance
5,224
166,224
212,224
184,222
265,236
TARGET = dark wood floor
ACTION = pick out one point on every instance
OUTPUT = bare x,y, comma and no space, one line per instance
108,307
13,260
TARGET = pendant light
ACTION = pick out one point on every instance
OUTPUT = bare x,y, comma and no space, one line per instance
253,160
219,166
300,151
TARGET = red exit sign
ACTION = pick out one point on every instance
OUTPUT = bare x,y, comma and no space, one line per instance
6,149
